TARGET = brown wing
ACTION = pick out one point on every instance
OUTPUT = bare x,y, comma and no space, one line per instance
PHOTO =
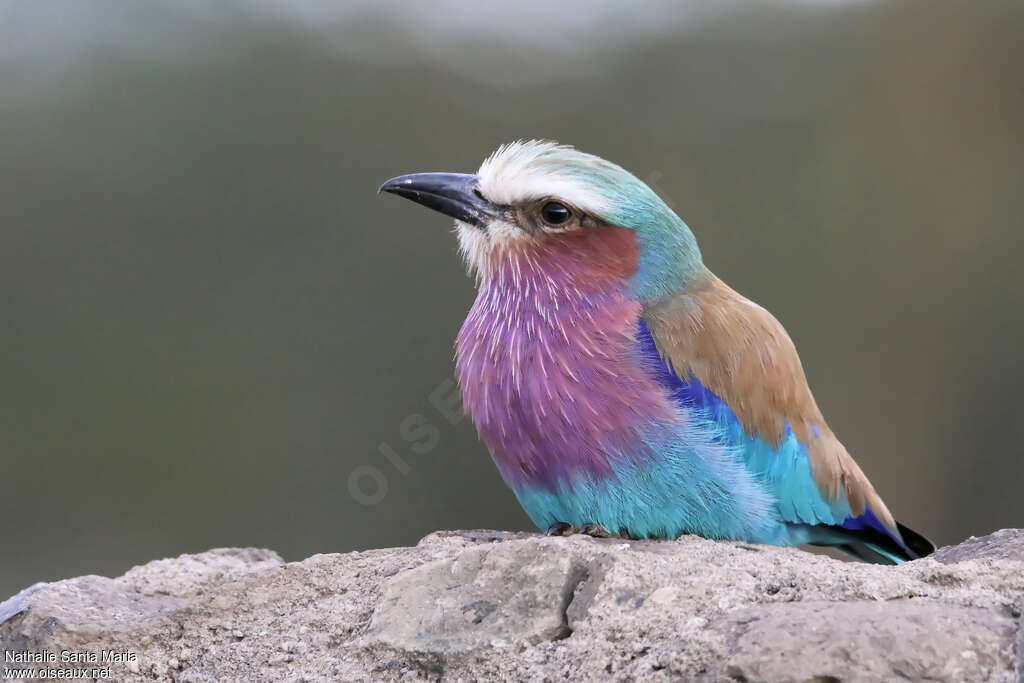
742,353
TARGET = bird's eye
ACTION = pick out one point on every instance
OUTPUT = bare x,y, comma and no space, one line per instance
554,213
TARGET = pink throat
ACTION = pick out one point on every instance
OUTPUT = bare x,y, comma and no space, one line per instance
546,358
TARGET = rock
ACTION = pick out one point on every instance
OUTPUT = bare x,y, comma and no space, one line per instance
1007,544
485,605
484,596
872,641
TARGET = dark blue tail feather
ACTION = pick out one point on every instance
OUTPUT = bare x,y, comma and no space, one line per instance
867,539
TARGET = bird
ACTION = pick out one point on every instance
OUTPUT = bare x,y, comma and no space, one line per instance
621,388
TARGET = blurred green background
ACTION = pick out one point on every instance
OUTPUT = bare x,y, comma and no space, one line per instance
210,320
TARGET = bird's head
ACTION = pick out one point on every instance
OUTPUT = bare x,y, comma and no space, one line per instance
542,195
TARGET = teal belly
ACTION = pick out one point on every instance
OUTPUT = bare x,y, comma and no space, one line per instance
665,493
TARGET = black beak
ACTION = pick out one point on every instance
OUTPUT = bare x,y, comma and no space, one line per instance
454,194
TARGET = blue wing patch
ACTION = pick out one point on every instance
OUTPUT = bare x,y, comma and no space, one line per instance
785,470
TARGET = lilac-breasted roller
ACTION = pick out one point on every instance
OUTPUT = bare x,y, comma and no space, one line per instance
623,389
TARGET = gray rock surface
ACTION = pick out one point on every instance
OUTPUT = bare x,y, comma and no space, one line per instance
498,606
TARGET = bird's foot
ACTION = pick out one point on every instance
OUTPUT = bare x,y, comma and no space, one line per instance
589,529
596,531
561,529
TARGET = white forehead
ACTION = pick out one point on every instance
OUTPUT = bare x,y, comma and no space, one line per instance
529,170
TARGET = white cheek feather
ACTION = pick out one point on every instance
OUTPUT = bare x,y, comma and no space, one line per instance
479,248
474,247
504,234
524,171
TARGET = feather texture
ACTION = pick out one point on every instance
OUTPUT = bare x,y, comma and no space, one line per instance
741,354
579,427
616,381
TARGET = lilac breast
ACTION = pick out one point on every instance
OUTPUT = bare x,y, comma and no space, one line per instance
548,364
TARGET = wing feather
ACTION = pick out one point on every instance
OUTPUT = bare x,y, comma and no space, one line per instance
740,353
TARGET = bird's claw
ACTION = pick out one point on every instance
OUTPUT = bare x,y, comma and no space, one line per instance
561,529
589,529
595,531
